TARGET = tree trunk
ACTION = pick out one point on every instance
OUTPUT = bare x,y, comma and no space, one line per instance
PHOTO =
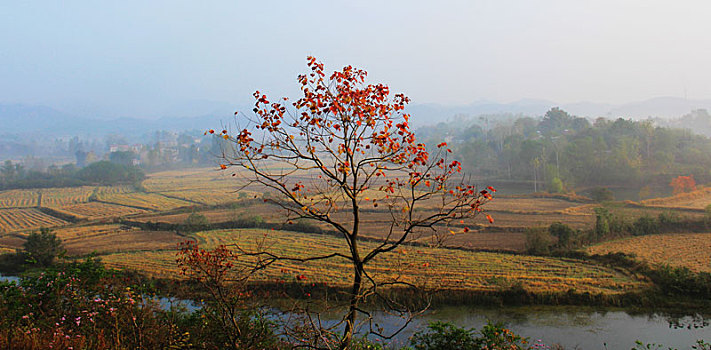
352,308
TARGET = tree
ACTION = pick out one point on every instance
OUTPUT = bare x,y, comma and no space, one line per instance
681,184
340,151
41,248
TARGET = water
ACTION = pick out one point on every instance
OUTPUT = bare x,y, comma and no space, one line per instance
573,328
9,278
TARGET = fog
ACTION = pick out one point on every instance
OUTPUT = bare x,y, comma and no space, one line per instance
148,60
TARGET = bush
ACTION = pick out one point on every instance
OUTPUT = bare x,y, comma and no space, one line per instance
196,222
602,194
446,336
645,225
563,232
42,248
538,241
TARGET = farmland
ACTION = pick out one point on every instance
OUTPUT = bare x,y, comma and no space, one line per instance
139,200
445,268
678,249
18,199
98,210
25,219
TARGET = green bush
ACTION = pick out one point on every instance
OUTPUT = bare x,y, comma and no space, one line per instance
538,241
42,248
602,194
446,336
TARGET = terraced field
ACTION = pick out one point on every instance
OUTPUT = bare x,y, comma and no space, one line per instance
98,210
698,199
147,201
25,219
445,268
692,250
18,198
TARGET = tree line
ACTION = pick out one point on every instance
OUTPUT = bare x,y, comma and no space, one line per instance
562,152
15,176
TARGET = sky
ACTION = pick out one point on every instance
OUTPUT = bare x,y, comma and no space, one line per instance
149,58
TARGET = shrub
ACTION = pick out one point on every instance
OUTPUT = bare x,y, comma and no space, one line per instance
446,336
42,248
538,241
602,194
645,225
196,222
563,232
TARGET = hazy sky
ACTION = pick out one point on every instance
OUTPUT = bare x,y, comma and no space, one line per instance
143,58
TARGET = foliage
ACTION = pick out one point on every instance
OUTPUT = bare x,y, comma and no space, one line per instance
538,241
615,153
196,222
42,248
681,184
602,194
102,172
353,143
445,336
563,232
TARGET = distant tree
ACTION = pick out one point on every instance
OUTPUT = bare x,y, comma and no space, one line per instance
563,233
354,146
42,248
602,194
682,184
122,157
196,222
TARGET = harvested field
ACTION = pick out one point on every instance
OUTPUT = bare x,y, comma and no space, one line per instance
123,241
70,233
698,199
692,250
98,210
446,268
18,198
26,219
147,201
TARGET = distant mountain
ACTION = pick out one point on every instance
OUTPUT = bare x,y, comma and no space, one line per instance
32,119
202,114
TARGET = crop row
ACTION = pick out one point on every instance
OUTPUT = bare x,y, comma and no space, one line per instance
26,218
149,201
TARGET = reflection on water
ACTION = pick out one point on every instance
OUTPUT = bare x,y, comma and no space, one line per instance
581,328
9,279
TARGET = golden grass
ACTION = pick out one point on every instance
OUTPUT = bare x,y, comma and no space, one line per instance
18,198
692,250
446,268
25,219
698,199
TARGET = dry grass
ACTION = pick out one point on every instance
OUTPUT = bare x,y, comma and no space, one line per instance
692,250
698,199
122,240
434,267
26,219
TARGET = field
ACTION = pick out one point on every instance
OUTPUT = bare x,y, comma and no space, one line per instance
698,199
444,268
147,201
19,199
692,250
25,219
98,210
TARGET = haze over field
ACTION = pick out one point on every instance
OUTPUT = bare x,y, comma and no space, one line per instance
184,59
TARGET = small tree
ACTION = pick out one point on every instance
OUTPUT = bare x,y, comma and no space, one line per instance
196,222
341,151
681,184
43,247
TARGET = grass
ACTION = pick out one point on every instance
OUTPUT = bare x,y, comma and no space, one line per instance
692,250
698,199
433,267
